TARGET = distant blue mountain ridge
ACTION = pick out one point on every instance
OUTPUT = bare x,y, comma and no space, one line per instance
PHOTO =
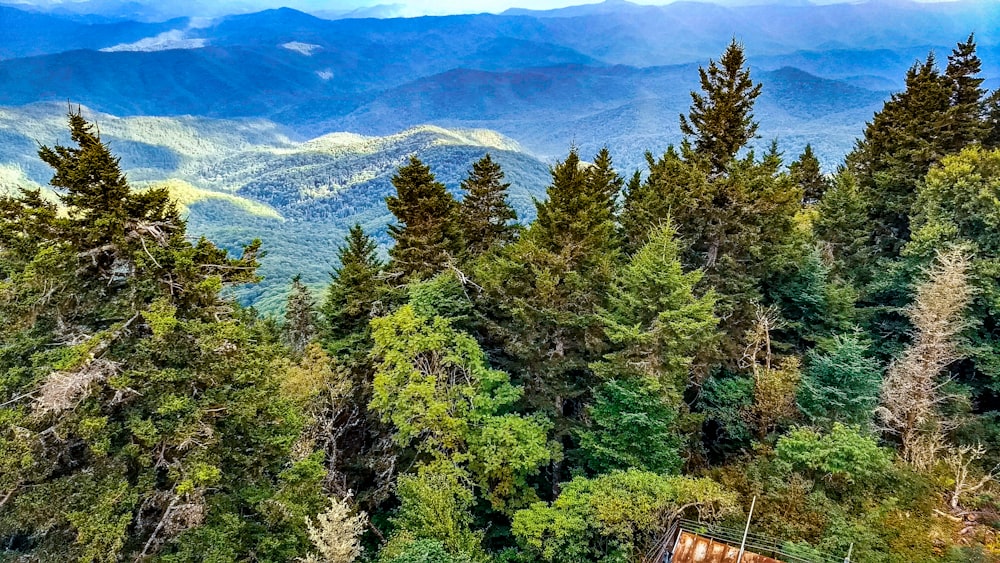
547,78
235,111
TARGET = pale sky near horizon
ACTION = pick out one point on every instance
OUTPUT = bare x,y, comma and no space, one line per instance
422,6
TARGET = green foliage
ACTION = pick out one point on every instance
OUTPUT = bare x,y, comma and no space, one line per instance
721,119
434,385
624,512
485,216
936,115
432,382
162,392
844,454
813,303
740,227
842,227
426,551
959,206
428,236
654,320
632,426
300,317
544,292
808,175
841,383
725,401
146,416
436,506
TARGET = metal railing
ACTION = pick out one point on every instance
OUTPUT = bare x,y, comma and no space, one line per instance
756,543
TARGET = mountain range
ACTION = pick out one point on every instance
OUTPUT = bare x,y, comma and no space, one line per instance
244,114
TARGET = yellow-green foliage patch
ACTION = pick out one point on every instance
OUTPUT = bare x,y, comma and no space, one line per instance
185,194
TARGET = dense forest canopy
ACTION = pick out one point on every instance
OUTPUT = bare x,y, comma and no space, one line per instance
721,327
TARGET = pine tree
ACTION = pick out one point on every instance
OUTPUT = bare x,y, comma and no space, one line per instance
721,117
991,134
605,180
648,203
633,426
899,146
808,176
355,291
485,216
841,384
164,394
576,218
656,326
842,228
546,289
300,317
964,119
654,320
428,236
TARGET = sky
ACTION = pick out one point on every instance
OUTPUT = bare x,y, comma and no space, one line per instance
399,7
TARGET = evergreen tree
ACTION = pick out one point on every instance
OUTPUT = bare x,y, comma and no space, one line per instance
808,176
428,236
648,203
605,180
899,146
813,302
721,117
545,292
632,426
364,455
964,119
656,325
654,319
576,218
991,125
740,229
300,317
485,216
145,402
842,228
841,384
355,291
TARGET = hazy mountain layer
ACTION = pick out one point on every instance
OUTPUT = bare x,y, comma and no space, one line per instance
240,179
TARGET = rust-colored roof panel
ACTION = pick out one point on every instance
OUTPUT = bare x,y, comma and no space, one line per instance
692,548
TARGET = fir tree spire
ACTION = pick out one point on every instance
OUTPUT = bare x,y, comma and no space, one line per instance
427,237
807,174
964,120
576,217
300,317
605,183
484,215
355,288
721,117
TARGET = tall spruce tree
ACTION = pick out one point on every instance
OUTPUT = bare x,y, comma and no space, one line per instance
991,133
841,383
897,151
300,317
545,292
721,116
807,174
427,236
605,180
485,216
740,227
964,122
355,291
938,114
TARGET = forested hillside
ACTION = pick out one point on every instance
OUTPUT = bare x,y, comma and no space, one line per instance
557,384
